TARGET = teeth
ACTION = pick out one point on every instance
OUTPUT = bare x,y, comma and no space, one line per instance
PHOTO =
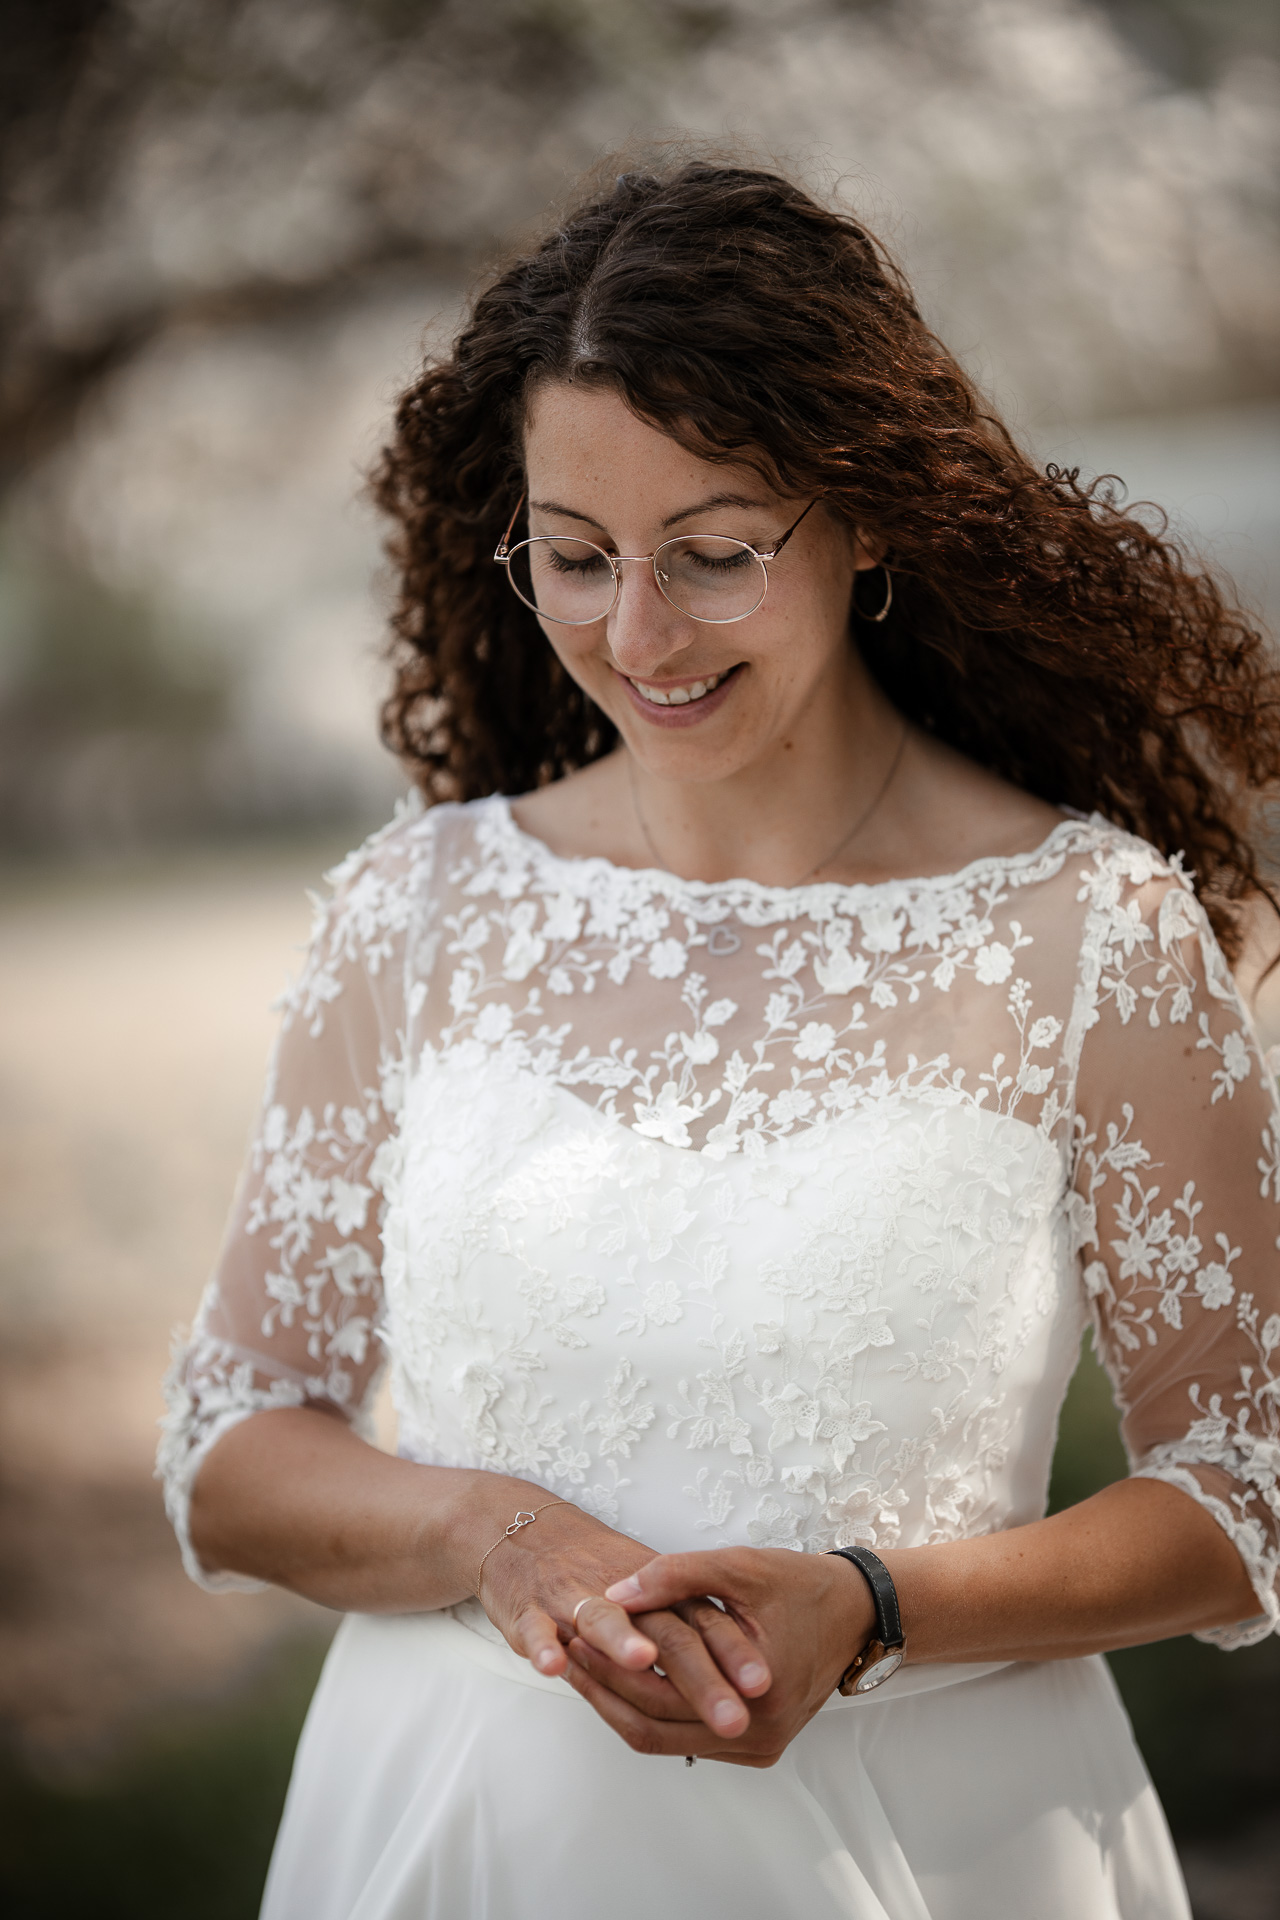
679,696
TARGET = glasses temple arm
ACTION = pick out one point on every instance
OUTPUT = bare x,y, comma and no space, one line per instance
501,552
775,551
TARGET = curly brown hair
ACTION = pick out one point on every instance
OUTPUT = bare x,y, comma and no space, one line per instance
1039,625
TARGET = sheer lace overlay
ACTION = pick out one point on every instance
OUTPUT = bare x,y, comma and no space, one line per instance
745,1214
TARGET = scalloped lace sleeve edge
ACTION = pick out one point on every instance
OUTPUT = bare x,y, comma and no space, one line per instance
179,1459
188,1434
1259,1563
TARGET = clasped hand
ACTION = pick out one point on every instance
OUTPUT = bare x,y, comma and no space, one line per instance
671,1671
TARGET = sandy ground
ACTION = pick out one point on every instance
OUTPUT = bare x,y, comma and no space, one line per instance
134,1027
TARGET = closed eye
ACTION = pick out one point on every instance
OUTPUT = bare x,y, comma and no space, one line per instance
721,563
592,563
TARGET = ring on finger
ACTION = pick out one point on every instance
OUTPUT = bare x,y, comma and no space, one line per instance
578,1609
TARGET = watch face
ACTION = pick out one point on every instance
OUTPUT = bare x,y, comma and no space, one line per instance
875,1676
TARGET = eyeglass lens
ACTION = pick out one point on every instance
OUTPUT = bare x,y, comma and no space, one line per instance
571,581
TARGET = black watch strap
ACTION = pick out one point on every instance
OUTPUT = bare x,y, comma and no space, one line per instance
883,1592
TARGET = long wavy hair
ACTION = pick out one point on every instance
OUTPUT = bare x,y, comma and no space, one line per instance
1039,625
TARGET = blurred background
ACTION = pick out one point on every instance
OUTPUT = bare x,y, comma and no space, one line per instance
229,229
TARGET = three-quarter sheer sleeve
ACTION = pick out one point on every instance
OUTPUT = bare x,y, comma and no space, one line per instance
1177,1211
290,1316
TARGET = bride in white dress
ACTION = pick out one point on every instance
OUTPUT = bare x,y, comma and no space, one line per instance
727,1142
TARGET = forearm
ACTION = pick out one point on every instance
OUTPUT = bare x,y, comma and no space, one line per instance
296,1498
1139,1561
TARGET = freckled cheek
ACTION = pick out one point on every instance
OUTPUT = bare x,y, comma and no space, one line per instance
794,649
578,651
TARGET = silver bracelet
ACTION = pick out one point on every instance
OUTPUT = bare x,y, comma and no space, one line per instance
522,1519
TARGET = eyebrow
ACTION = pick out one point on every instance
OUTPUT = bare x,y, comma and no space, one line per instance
672,519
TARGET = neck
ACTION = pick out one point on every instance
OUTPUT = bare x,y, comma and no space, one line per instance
796,812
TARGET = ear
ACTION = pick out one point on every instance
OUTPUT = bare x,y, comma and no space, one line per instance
869,549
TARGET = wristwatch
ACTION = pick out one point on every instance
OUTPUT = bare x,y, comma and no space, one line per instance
883,1653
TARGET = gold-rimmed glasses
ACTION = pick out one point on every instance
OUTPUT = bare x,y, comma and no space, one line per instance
575,583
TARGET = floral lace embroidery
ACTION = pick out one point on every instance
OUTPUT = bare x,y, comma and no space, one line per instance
1169,1263
780,1181
821,980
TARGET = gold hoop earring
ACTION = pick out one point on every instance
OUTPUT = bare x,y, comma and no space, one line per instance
883,614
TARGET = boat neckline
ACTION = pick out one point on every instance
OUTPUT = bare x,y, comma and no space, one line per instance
660,879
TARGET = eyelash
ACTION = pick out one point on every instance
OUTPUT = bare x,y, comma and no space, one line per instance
560,565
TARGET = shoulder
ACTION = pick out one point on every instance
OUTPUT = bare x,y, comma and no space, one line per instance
1143,908
1162,1002
416,847
385,894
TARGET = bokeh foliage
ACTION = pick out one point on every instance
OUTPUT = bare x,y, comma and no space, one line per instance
200,162
181,1829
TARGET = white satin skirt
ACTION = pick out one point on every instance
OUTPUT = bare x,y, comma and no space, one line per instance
438,1777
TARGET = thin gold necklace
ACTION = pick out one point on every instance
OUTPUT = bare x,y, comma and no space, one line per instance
804,879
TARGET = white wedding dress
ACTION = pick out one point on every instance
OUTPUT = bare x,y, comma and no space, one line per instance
747,1215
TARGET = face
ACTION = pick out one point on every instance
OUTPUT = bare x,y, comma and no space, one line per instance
742,692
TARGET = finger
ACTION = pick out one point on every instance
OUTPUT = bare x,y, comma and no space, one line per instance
536,1636
670,1578
642,1733
684,1658
652,1693
611,1630
692,1737
736,1655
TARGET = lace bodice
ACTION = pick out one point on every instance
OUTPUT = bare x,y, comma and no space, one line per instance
761,1215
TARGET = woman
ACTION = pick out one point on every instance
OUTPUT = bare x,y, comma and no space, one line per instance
728,1139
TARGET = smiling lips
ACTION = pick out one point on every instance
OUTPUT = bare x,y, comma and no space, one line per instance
678,696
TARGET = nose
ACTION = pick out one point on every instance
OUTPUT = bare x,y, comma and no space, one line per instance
644,629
